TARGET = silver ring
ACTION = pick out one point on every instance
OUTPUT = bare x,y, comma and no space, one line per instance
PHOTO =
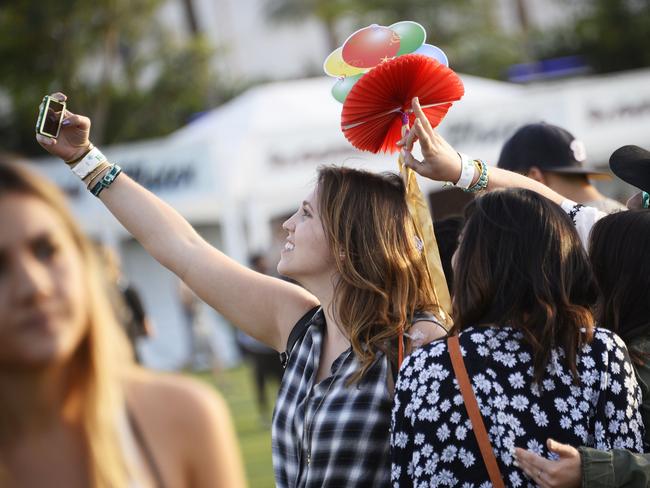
539,474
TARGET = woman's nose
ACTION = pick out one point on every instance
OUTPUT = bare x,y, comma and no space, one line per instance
30,279
288,224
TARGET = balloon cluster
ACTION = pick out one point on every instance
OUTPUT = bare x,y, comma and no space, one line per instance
373,45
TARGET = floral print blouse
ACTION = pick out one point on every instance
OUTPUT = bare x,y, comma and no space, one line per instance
432,440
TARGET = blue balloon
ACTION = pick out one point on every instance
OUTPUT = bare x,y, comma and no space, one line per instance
432,52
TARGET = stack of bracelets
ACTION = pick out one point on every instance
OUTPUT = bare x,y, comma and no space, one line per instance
91,168
469,168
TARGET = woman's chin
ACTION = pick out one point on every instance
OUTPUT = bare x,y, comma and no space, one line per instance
285,269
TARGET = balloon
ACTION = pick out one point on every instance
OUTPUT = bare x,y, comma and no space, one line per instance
370,46
343,86
433,52
335,66
411,36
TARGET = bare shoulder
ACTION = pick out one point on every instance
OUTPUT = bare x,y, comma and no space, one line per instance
191,420
186,400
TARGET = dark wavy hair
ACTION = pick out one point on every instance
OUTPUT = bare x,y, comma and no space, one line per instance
520,263
383,274
619,250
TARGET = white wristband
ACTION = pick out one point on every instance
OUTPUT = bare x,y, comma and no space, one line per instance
89,163
466,172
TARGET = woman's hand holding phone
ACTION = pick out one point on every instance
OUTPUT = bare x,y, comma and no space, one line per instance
72,141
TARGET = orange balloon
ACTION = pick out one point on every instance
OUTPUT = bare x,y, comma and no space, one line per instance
335,66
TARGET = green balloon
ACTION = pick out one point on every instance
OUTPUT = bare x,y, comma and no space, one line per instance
343,86
411,36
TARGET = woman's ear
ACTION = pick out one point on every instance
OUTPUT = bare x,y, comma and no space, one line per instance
536,174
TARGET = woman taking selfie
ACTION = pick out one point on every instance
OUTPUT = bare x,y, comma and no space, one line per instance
74,409
352,245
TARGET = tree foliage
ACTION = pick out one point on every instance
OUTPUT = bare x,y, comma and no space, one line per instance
112,58
465,29
611,35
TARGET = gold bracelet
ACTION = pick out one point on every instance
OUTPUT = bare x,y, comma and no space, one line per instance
102,166
478,169
96,174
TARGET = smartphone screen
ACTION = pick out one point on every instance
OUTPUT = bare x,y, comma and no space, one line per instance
53,118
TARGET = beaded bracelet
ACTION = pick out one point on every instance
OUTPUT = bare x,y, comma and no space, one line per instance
482,182
107,180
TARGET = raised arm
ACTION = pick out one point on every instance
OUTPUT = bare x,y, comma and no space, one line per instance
263,307
441,162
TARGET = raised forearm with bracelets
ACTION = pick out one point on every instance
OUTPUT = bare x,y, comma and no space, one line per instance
441,162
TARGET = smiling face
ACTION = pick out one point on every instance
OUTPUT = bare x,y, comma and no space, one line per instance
43,315
306,256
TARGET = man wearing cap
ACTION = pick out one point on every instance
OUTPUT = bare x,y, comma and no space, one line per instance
551,155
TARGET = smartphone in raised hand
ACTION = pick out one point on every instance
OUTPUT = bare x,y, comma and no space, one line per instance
50,117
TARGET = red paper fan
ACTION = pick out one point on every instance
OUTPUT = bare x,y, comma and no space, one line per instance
372,113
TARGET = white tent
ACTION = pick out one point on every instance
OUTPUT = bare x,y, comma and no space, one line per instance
236,168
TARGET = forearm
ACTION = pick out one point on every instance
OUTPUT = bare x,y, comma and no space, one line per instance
260,305
501,178
161,230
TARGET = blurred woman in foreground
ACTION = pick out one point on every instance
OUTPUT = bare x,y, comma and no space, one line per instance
74,409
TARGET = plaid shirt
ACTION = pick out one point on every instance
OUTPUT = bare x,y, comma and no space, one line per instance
329,434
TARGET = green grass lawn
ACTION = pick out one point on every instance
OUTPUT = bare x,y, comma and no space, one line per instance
254,433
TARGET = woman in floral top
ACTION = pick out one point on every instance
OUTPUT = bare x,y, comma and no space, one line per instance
538,366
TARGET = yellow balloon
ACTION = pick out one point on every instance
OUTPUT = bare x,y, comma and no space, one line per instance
335,66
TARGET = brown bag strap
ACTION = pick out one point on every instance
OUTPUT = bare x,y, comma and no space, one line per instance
474,413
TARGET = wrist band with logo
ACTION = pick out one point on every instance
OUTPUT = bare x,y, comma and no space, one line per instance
466,172
89,163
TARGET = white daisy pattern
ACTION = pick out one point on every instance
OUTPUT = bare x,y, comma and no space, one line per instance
432,440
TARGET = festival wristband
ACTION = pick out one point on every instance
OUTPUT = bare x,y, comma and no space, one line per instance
466,172
89,163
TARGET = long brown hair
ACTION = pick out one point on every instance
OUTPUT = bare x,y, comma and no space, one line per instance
102,351
520,263
618,249
382,272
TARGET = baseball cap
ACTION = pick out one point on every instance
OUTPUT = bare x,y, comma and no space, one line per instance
549,147
632,165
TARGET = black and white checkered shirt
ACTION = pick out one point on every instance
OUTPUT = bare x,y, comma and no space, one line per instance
329,434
